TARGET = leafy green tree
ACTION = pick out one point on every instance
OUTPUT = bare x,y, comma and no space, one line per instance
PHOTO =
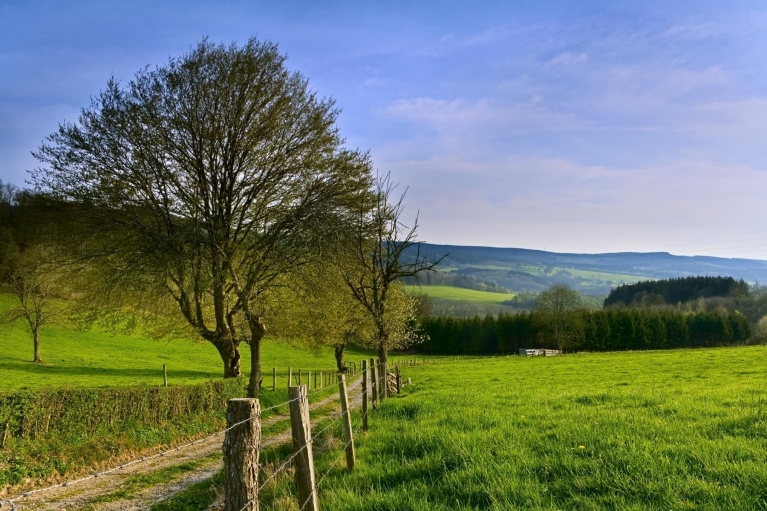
559,305
205,180
316,309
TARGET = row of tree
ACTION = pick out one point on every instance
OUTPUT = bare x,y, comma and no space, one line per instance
605,330
213,196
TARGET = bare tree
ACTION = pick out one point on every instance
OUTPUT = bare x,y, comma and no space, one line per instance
205,180
559,304
385,251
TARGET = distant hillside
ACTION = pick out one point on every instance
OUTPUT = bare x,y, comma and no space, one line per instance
519,269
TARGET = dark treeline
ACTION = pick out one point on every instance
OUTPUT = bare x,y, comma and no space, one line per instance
605,330
672,291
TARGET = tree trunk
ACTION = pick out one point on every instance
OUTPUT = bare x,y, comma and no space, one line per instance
36,337
382,353
257,332
230,355
339,353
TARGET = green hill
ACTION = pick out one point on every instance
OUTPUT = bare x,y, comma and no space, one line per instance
459,293
95,358
522,270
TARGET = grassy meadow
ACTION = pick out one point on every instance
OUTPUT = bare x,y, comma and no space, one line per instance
459,293
94,358
612,431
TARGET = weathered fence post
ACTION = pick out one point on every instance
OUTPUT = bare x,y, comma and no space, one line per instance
308,380
373,383
347,422
364,397
164,375
299,377
322,376
399,379
241,454
274,378
290,377
302,446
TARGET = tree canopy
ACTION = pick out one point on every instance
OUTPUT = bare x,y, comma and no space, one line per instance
205,180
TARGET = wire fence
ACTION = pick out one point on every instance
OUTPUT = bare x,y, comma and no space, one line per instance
335,418
332,466
143,459
287,462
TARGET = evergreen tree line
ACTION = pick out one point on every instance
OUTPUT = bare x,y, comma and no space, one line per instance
655,292
603,330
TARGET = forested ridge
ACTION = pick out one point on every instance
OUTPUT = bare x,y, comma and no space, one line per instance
672,291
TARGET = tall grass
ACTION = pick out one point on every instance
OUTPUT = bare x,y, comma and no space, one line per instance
639,430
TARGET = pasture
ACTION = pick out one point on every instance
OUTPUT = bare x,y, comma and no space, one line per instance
459,293
676,430
94,358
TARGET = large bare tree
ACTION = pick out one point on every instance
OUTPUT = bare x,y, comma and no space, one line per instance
205,179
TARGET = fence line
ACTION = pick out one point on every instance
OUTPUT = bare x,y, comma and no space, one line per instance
145,458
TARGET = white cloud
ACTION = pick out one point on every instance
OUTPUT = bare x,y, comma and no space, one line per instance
568,59
565,206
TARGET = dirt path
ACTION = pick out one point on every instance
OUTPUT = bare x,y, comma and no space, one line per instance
87,494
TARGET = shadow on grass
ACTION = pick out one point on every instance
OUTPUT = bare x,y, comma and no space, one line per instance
55,370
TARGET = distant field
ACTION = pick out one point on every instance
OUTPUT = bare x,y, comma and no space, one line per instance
459,293
604,276
98,359
683,430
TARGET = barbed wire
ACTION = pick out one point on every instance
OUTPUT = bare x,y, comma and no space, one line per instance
293,456
332,465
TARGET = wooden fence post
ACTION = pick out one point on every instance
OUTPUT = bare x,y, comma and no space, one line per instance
299,377
274,378
290,377
241,454
347,422
308,380
164,375
322,376
373,384
302,445
399,379
364,397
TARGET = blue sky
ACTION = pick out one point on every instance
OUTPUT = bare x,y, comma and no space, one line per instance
569,126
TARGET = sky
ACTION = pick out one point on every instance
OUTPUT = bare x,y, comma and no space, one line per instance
568,126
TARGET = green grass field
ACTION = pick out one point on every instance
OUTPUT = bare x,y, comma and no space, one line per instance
98,359
459,293
682,430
